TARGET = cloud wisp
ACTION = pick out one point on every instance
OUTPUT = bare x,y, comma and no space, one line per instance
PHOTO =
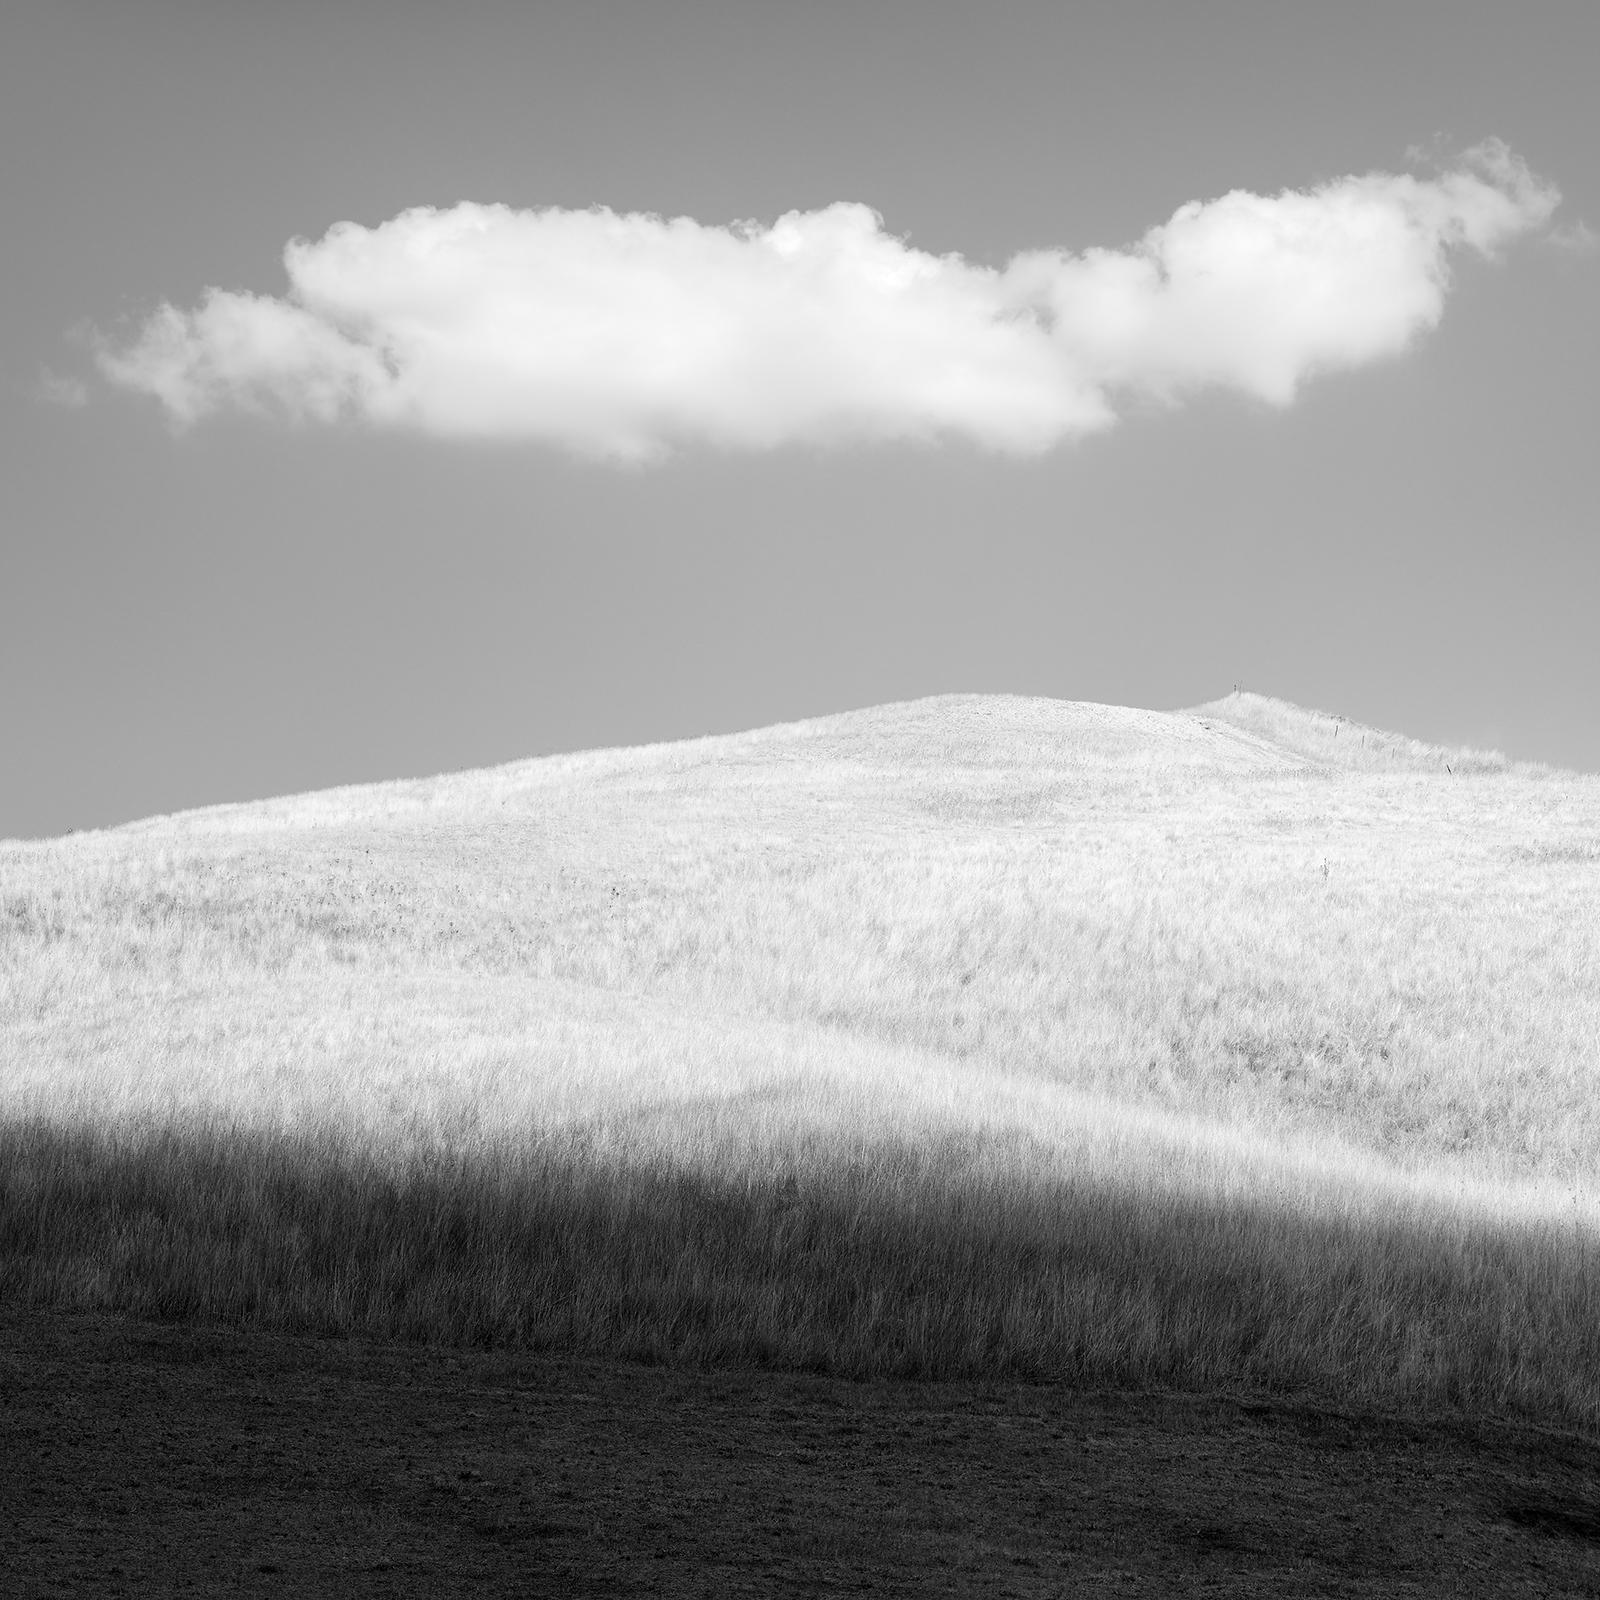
627,336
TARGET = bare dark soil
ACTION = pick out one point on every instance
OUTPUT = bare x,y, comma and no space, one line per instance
139,1458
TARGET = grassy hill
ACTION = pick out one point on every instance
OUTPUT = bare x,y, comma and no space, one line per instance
1236,1047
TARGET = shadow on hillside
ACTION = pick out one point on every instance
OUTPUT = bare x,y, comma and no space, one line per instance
896,1261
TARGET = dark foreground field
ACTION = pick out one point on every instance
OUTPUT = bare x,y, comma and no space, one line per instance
139,1458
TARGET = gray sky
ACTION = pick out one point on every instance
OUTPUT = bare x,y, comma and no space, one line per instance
251,605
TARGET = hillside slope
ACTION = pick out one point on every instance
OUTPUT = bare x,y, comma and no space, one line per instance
1218,911
979,1035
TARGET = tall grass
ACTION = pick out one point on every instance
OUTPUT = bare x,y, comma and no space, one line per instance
971,1037
926,1258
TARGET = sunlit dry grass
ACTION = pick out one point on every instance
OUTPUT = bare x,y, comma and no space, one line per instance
976,1035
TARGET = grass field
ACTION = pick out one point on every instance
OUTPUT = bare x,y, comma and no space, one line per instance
1242,1047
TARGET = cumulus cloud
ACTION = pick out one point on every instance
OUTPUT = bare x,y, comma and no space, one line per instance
624,336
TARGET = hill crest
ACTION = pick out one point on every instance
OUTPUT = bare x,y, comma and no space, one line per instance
1331,740
1033,737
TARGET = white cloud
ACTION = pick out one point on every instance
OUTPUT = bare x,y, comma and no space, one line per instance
625,336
